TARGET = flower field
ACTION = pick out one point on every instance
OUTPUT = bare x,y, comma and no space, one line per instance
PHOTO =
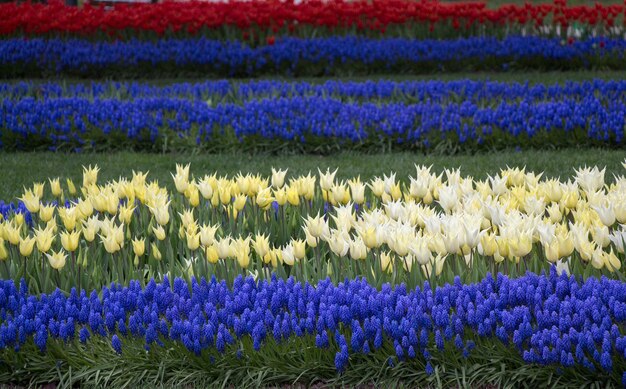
256,264
264,115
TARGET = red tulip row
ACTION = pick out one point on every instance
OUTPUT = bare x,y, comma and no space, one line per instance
274,16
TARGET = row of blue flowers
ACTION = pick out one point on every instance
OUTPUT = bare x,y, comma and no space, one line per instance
232,91
547,319
292,55
309,122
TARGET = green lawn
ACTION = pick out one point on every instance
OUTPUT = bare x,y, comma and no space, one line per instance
22,169
532,77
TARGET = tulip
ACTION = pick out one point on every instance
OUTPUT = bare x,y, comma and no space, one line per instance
606,214
278,178
55,187
261,245
240,202
155,251
193,195
46,212
288,255
358,250
71,188
205,188
159,232
327,179
264,198
181,179
57,259
44,239
26,246
139,246
69,240
4,254
193,241
223,247
31,201
370,237
126,213
110,243
161,214
90,175
207,234
299,249
242,252
212,254
292,196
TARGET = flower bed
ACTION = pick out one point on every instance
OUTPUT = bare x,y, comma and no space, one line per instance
251,20
303,117
352,55
567,325
387,230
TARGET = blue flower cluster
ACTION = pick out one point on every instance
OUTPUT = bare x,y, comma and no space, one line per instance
7,210
407,114
547,319
78,56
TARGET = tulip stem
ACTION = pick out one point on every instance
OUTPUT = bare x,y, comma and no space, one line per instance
7,268
318,261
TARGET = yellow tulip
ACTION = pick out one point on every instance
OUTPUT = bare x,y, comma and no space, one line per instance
110,243
90,175
357,189
292,196
38,189
611,261
552,252
68,217
159,232
69,240
242,252
386,262
370,237
281,196
521,246
488,244
193,240
139,246
4,254
44,239
261,245
299,249
46,212
224,194
55,187
264,198
358,250
240,202
19,220
57,259
181,179
155,251
126,213
31,201
71,188
211,254
26,246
